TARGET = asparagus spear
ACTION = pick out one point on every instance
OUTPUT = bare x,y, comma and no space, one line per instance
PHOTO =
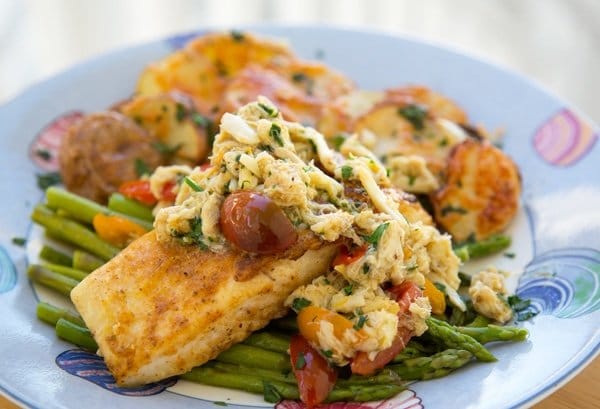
452,338
493,333
50,279
121,204
83,209
82,260
493,244
269,341
66,271
73,232
479,321
278,376
51,314
255,357
75,334
54,256
245,382
435,366
256,384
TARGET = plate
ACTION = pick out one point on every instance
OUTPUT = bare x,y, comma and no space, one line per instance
556,238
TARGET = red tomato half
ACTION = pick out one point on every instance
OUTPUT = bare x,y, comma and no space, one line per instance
405,294
138,190
254,223
316,378
348,256
167,193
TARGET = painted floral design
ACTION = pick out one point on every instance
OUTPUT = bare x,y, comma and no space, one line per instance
564,283
43,151
407,399
91,367
564,139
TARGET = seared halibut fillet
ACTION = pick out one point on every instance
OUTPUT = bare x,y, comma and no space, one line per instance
160,308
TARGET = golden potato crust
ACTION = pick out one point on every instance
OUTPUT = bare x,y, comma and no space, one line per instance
160,308
481,193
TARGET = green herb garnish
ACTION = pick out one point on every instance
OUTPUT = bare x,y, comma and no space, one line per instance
361,322
348,289
300,361
338,140
376,235
347,172
272,112
201,120
327,353
141,168
509,255
219,403
275,133
453,209
193,185
300,303
414,114
180,111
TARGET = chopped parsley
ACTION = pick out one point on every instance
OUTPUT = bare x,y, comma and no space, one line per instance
237,36
361,322
275,133
347,172
299,77
414,114
44,154
180,112
165,149
141,168
300,361
338,140
45,180
411,179
453,209
376,235
19,241
348,289
328,353
272,112
270,392
509,255
201,120
465,279
193,185
440,287
300,303
366,268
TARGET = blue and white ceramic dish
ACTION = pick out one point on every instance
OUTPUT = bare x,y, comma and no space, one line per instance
556,236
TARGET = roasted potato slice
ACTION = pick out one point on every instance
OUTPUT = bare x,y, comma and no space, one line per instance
481,193
172,119
300,91
102,151
205,65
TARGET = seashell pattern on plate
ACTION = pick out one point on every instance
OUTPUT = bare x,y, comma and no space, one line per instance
564,139
44,149
8,273
564,283
91,367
